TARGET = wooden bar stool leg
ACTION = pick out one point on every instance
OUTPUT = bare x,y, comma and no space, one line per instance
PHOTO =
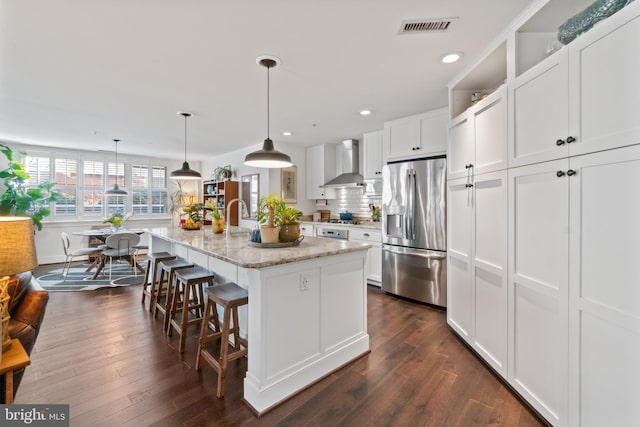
185,317
158,294
202,342
146,284
172,303
236,328
224,351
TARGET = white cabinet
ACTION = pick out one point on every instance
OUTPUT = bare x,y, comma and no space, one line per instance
307,229
541,112
478,137
320,168
604,86
575,335
538,285
372,155
582,99
374,255
416,136
573,169
477,268
604,296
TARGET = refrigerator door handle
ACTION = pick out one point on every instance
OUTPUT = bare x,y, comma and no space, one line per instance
418,253
411,205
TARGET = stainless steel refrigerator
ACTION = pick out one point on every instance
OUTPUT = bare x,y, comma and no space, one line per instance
414,230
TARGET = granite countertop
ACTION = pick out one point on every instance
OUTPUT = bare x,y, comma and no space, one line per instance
236,249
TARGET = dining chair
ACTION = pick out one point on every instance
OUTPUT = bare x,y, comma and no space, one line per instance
121,245
71,254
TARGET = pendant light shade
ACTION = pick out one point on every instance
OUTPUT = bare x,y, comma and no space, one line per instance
185,172
268,156
116,191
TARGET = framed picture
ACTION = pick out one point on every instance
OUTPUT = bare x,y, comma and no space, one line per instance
289,184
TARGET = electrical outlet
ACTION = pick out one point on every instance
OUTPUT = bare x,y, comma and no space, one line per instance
304,283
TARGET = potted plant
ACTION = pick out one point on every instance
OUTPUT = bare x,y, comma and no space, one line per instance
267,205
117,220
218,220
288,218
20,200
175,201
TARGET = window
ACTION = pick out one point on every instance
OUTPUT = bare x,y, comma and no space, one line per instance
93,179
159,199
115,175
140,189
66,179
83,178
39,170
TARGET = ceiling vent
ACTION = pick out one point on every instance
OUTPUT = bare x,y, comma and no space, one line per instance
417,26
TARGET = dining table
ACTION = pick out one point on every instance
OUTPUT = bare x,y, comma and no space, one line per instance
102,234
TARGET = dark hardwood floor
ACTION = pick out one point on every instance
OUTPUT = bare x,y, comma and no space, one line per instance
106,357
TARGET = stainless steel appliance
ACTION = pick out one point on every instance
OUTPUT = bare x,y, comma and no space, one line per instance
414,230
333,233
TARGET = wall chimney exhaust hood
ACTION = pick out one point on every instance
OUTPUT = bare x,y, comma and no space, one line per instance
350,177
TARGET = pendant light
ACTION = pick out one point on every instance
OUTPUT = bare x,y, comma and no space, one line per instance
268,156
185,172
116,191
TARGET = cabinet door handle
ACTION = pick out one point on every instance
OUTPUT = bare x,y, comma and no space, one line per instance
468,185
560,174
366,234
571,172
560,142
570,139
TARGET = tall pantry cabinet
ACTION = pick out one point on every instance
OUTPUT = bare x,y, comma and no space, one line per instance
572,297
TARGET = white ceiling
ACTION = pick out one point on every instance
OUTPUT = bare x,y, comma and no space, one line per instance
78,73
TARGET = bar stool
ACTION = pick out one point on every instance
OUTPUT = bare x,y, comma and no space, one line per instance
230,296
191,281
150,287
169,267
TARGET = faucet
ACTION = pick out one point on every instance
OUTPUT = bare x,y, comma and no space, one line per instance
228,215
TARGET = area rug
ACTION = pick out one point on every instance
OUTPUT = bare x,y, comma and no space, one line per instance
80,280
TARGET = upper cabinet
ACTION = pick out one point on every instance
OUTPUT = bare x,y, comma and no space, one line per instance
478,137
415,136
580,98
372,155
320,168
541,112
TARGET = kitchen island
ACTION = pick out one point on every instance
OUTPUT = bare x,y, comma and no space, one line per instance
306,315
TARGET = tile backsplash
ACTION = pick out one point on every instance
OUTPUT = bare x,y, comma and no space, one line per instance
351,200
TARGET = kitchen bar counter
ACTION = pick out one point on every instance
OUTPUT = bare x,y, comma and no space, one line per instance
306,315
236,249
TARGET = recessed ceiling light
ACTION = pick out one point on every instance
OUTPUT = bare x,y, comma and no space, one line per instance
287,133
450,58
365,112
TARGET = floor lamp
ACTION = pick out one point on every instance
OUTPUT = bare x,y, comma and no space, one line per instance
17,255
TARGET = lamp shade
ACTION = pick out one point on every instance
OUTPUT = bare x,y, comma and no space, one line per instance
115,191
268,157
185,172
17,245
